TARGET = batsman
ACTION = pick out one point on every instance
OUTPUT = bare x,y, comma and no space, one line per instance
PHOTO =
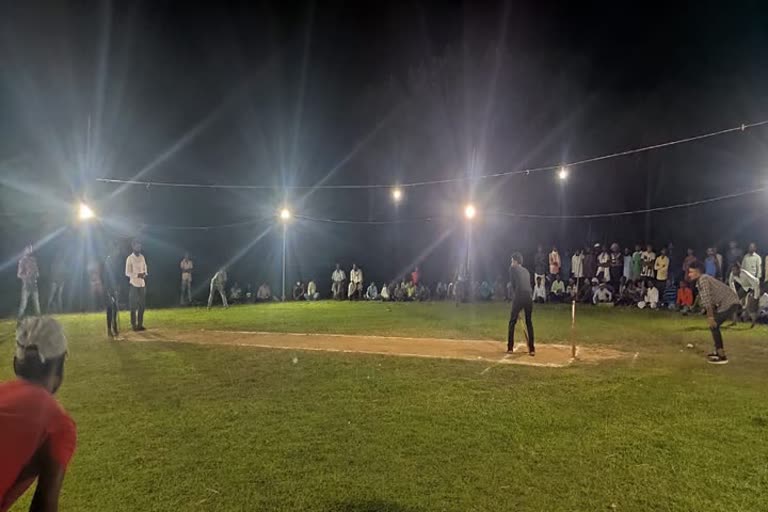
522,300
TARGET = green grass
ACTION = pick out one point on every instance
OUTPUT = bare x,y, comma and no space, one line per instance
177,427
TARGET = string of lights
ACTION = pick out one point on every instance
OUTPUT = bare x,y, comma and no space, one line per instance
561,167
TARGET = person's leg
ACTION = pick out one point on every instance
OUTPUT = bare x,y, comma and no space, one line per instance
210,296
142,306
182,294
752,306
24,299
529,326
59,301
717,336
133,305
223,296
51,297
189,291
516,308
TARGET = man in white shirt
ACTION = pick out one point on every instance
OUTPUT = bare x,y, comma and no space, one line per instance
372,293
337,282
312,291
577,265
557,291
356,278
651,298
603,295
186,266
218,284
136,272
648,259
752,262
751,286
604,265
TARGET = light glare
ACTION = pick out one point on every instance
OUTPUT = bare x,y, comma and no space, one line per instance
469,211
397,194
563,173
84,212
285,214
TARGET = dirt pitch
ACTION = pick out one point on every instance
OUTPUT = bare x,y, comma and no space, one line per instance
548,355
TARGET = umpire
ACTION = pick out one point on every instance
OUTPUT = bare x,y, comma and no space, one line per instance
522,300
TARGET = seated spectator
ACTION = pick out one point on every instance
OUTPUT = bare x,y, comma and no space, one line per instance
627,293
540,290
499,289
264,293
440,291
585,292
571,291
485,291
602,295
249,293
400,292
235,293
299,291
651,297
384,292
595,287
450,291
312,291
557,291
669,298
684,300
372,293
410,290
423,293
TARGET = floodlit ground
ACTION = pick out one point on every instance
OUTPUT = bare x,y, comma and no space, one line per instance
178,426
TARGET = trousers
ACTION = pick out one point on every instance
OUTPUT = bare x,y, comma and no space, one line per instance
29,290
217,288
527,308
717,336
137,298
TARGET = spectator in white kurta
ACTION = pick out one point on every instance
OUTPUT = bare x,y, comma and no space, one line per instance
577,265
603,295
540,290
372,293
356,282
554,262
651,298
752,262
337,283
312,291
136,272
571,290
218,285
604,266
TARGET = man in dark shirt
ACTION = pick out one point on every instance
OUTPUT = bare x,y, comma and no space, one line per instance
113,276
522,300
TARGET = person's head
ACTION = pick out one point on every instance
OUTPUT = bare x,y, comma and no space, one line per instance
517,259
604,248
663,251
695,271
736,269
554,249
571,281
41,348
626,251
711,251
594,281
690,252
354,266
136,247
637,247
557,277
416,269
602,285
338,267
752,248
614,247
538,281
649,248
28,250
732,244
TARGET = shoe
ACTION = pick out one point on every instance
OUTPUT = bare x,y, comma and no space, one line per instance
532,353
716,359
141,328
510,351
110,334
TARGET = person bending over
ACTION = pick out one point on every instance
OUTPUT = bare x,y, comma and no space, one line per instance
37,436
720,303
521,302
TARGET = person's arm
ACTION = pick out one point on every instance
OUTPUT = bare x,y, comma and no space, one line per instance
19,269
759,268
128,268
610,296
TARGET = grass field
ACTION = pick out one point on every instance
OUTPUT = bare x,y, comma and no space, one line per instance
177,427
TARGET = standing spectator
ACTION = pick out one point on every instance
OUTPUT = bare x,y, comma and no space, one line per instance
337,282
577,265
720,304
28,273
637,263
218,285
540,290
415,276
752,262
539,264
661,266
565,267
557,292
554,262
690,259
441,291
604,266
58,280
590,263
602,295
684,296
356,279
711,265
136,272
312,294
720,268
734,255
627,270
616,265
751,286
38,436
648,258
112,284
186,266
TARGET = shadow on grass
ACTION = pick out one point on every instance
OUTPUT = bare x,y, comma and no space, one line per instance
370,506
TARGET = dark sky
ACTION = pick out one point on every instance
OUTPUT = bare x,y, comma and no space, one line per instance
360,92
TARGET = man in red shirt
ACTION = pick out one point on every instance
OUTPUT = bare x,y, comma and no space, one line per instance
415,276
37,437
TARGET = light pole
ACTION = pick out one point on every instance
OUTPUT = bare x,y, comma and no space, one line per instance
285,216
469,214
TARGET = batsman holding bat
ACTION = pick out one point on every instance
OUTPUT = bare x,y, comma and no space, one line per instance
522,300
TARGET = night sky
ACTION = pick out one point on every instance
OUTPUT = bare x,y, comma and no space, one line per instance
290,93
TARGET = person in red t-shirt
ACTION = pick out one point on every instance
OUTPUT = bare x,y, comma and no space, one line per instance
415,276
684,297
37,436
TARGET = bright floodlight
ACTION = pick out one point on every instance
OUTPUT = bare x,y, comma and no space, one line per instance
84,212
285,214
563,173
469,211
397,194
